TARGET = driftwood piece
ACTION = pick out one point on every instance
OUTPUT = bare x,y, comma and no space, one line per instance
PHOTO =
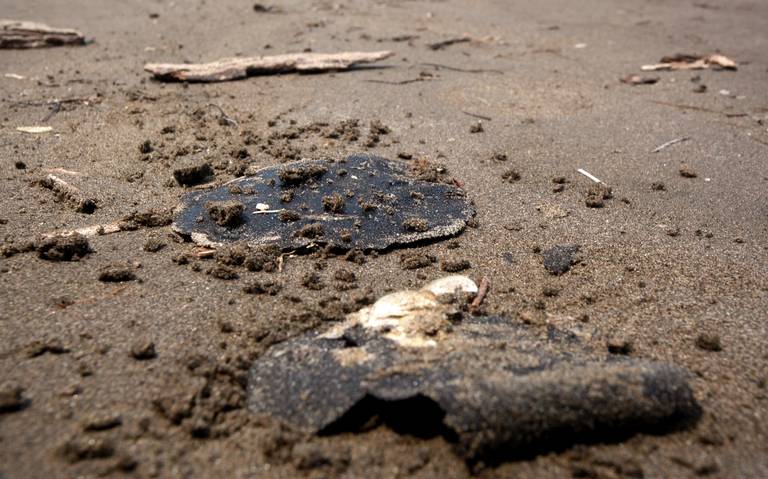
236,68
22,34
692,62
66,192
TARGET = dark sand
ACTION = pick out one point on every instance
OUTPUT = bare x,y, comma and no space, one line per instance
659,267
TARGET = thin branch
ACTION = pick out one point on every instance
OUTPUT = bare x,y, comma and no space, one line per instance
670,143
485,284
462,70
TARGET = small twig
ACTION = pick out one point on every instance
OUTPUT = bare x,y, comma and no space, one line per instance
589,175
446,43
202,253
401,82
62,171
686,107
462,70
485,284
224,119
281,260
670,143
89,231
85,100
482,117
55,108
69,193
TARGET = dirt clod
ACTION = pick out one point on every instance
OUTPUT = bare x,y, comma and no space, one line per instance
63,248
709,342
619,345
597,194
193,175
101,421
454,266
686,171
291,176
117,273
333,203
153,245
345,276
263,287
222,272
511,176
11,397
143,349
42,346
311,231
225,213
84,448
558,259
312,281
416,224
287,216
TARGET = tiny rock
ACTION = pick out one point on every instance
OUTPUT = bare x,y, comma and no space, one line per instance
11,397
708,342
143,349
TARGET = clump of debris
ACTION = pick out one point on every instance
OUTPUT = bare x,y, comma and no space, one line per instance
484,383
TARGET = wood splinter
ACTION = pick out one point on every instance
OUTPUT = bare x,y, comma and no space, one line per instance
482,291
236,68
22,34
66,192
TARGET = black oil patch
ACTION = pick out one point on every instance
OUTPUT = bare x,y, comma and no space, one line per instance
496,390
363,202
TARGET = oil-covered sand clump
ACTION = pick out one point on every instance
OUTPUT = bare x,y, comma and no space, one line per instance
362,202
494,388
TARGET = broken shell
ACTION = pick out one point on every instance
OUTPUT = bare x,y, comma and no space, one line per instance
409,318
451,285
493,387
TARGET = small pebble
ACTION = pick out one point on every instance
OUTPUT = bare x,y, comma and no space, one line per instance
143,349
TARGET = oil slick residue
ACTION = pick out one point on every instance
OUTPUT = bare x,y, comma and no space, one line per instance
492,387
362,202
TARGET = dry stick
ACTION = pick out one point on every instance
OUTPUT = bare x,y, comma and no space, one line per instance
54,109
69,193
589,175
449,42
707,110
21,34
401,82
485,284
236,68
670,143
201,253
84,100
224,119
482,117
88,231
462,70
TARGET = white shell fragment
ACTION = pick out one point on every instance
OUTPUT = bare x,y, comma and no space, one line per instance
34,129
451,285
412,319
